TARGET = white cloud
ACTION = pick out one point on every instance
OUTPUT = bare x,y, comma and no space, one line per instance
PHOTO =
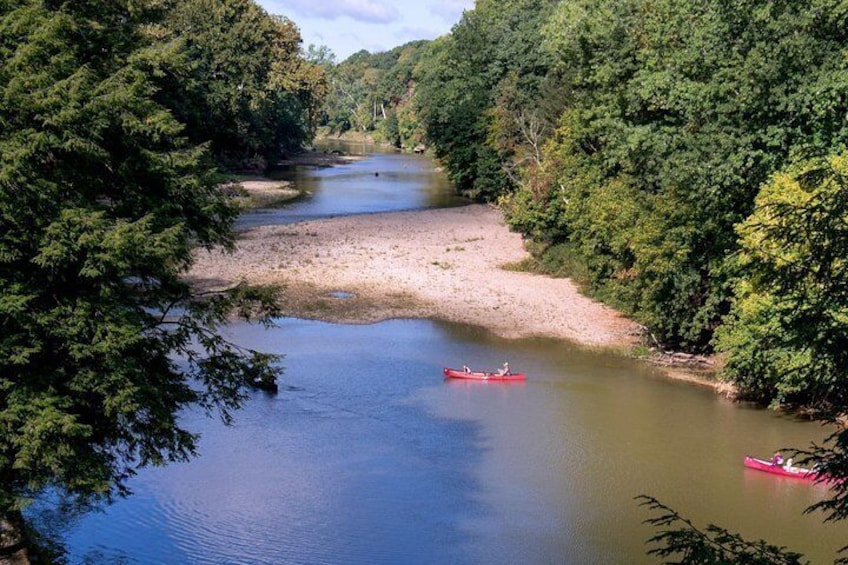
371,11
346,26
409,33
370,45
450,10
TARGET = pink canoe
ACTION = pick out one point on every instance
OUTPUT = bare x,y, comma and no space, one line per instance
460,374
769,467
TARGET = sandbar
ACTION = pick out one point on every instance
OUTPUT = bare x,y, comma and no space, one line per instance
451,264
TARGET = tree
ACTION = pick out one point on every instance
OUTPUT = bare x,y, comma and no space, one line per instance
320,55
475,87
787,335
240,81
680,111
369,91
102,202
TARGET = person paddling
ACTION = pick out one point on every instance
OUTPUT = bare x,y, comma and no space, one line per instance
505,369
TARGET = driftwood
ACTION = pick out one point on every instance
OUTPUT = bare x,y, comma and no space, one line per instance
666,358
678,359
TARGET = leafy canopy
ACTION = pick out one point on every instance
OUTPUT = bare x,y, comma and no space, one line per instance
372,94
787,337
239,81
474,89
676,112
102,202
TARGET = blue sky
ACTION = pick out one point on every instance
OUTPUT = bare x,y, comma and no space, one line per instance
346,26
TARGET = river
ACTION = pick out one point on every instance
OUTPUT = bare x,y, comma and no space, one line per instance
368,456
387,181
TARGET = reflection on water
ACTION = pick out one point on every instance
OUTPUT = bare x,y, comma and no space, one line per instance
367,455
384,182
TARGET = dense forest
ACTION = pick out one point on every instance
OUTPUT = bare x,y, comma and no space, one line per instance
114,120
373,94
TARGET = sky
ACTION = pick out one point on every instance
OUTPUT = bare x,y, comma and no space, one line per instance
347,26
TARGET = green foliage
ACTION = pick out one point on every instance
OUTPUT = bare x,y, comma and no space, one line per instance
239,80
448,102
477,91
787,337
676,113
372,93
102,202
686,544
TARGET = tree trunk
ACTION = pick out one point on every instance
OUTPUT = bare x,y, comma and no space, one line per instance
13,549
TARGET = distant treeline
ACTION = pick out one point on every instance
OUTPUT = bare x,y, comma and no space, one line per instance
684,160
373,94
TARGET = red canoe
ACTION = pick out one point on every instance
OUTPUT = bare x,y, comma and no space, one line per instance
460,374
769,467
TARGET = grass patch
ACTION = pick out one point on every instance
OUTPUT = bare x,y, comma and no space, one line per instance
526,265
641,352
558,261
566,260
321,305
563,260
